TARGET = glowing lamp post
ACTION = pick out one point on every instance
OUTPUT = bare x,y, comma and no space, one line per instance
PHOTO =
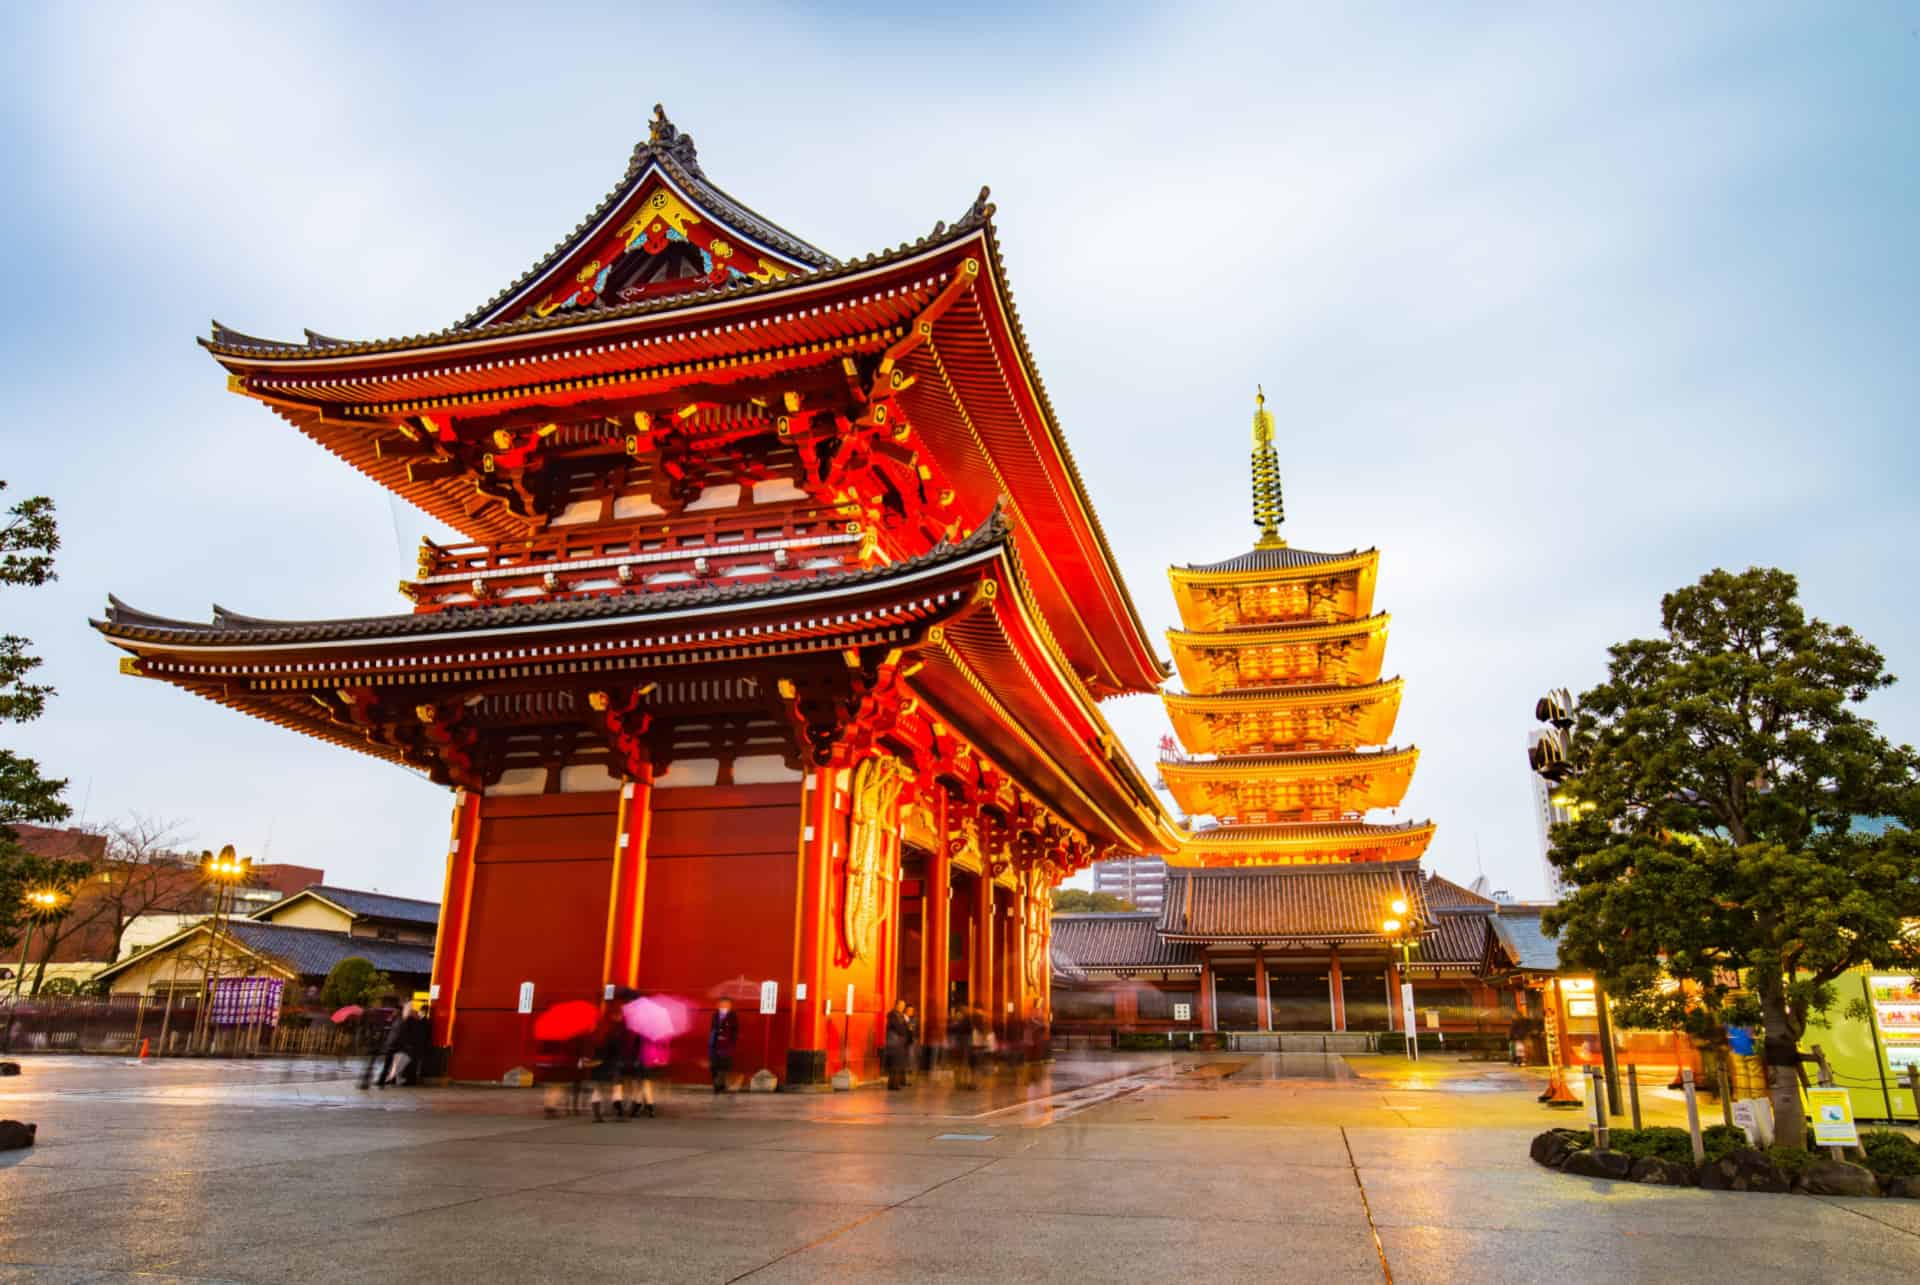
225,872
1397,931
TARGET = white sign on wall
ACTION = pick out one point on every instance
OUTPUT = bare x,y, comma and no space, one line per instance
526,997
1183,1012
769,997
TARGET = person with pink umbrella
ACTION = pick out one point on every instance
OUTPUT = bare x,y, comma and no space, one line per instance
653,1020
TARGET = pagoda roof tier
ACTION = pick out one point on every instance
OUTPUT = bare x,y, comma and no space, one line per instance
405,688
925,335
1274,585
1295,906
1257,719
1304,843
1339,782
1346,653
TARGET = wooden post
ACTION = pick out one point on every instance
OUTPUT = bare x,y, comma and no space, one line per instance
1693,1116
1262,1003
1337,990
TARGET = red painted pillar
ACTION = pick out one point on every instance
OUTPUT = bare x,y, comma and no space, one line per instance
819,837
456,900
937,937
627,904
1206,996
983,927
1263,1002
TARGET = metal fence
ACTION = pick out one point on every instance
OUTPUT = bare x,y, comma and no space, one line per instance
163,1027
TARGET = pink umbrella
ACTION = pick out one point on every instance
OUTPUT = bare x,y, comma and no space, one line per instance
344,1014
678,1011
649,1019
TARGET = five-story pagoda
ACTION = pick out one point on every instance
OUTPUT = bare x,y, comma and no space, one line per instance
1285,710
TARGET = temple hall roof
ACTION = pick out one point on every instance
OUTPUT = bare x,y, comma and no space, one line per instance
669,150
1518,930
1317,903
231,629
1124,941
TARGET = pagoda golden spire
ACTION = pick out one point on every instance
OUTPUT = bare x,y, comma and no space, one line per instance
1268,512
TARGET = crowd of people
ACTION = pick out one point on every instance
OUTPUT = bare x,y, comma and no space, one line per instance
614,1071
973,1047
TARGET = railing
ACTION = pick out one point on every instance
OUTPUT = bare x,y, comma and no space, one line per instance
125,1024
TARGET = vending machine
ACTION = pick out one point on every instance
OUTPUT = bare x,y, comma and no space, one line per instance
1870,1058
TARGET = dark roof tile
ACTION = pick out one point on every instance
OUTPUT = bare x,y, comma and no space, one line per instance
1317,903
1105,942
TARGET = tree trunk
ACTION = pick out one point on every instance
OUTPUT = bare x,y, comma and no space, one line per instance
1783,1067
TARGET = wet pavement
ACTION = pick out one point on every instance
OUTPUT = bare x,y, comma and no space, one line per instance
1255,1167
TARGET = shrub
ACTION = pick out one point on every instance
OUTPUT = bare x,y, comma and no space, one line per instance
1891,1154
1664,1142
354,981
1790,1160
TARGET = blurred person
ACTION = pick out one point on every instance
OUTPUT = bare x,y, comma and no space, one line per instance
899,1045
723,1033
604,1063
913,1042
960,1046
980,1043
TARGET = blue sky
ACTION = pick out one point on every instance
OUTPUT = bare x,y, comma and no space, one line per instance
1559,306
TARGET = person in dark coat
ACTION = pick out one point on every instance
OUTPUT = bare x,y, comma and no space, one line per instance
610,1054
913,1041
382,1030
722,1035
899,1045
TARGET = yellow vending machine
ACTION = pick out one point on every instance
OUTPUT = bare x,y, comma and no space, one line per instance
1871,1059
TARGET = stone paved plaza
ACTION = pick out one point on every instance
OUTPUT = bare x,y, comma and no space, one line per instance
1243,1168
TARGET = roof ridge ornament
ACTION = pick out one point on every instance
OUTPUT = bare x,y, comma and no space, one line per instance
1268,511
664,139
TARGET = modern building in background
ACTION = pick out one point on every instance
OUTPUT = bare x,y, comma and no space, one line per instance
1139,881
1546,815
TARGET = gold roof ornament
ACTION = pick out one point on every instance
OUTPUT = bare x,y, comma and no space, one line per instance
1268,512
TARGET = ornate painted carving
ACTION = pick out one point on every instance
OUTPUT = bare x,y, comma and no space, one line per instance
873,855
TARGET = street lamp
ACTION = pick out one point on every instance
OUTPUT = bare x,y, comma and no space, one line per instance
226,872
1400,933
39,904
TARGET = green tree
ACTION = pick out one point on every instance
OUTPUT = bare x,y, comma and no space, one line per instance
1074,901
354,981
28,539
1720,770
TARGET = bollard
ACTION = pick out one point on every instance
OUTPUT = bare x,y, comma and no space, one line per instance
1633,1092
1597,1108
1693,1116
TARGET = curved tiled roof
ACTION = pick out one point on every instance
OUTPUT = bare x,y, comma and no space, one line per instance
309,952
372,905
124,622
1319,903
1289,694
1312,830
1444,894
225,341
1128,940
673,152
1284,558
1233,766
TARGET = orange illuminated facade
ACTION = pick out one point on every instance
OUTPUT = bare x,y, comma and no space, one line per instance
775,644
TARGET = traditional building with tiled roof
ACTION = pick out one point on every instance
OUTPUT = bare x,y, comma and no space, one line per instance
775,640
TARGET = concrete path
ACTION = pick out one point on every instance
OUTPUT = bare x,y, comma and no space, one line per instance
1248,1167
